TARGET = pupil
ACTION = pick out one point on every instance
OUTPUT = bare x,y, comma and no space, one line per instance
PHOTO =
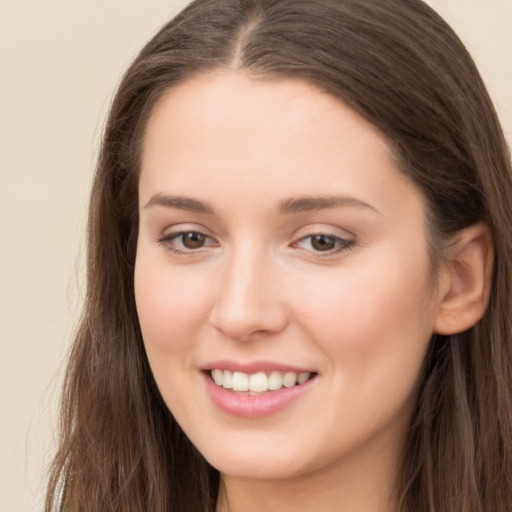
323,242
193,240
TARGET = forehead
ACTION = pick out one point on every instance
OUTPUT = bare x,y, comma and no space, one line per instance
223,131
228,98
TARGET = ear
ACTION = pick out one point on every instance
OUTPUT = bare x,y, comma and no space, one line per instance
466,280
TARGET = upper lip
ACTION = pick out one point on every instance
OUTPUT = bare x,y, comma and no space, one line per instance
253,366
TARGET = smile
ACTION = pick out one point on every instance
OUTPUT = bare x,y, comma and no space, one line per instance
259,391
260,382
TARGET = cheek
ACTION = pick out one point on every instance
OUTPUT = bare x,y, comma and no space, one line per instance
169,308
170,304
369,315
374,329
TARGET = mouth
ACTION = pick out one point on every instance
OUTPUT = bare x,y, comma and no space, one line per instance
257,389
258,383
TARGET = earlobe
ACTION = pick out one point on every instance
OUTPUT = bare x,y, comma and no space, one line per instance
467,280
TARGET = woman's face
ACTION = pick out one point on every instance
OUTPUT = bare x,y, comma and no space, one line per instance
280,252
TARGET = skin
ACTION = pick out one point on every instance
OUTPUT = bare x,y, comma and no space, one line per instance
360,316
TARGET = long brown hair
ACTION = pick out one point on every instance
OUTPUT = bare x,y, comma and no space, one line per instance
399,65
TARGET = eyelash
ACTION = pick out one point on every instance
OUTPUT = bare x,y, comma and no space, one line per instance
168,241
341,244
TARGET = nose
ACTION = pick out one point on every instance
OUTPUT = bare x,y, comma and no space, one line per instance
249,302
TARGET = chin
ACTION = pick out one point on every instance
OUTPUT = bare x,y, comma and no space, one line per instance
255,459
241,468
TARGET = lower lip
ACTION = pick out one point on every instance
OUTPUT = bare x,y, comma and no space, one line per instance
254,406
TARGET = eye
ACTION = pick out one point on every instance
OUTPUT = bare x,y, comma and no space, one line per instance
183,242
324,243
192,239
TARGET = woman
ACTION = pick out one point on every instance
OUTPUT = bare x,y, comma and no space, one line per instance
299,272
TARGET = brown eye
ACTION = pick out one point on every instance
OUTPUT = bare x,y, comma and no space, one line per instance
323,242
193,240
187,243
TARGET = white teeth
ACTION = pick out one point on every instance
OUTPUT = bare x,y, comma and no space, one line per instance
275,381
240,381
217,376
289,379
227,379
303,377
257,382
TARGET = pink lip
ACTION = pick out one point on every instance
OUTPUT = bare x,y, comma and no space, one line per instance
254,406
253,367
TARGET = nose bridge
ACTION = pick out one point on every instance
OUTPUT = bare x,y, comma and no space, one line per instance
248,299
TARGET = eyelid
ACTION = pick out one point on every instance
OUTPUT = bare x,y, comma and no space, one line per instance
343,241
343,244
167,239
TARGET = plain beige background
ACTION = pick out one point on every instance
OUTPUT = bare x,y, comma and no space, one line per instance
60,61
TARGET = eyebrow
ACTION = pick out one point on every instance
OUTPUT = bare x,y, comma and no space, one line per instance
180,203
313,203
287,207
